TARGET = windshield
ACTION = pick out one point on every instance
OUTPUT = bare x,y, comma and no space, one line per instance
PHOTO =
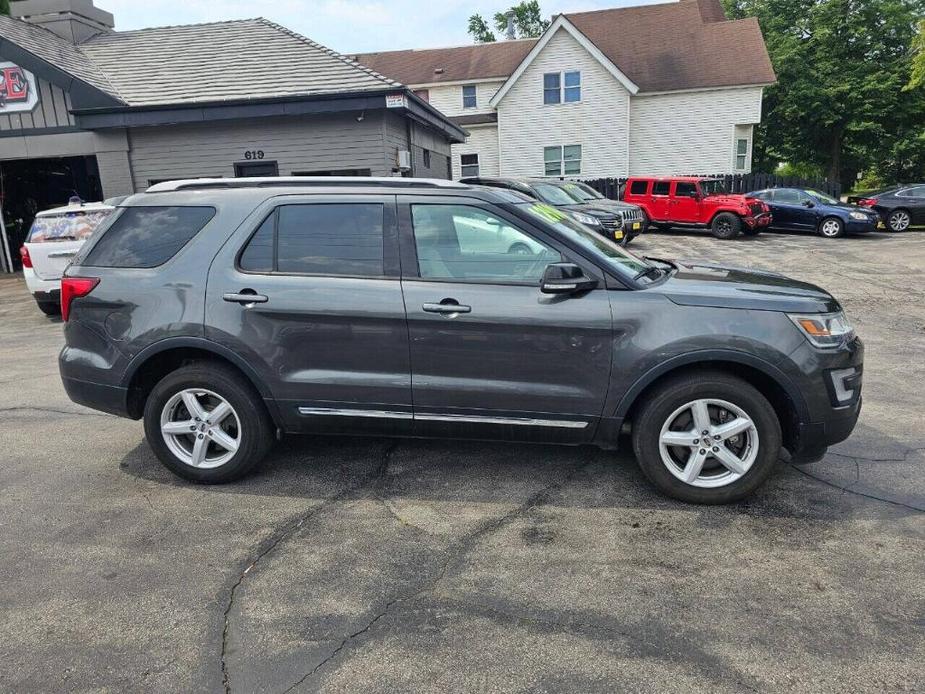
71,226
553,194
712,187
822,197
618,259
582,191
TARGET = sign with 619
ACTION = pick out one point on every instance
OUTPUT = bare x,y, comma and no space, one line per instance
253,154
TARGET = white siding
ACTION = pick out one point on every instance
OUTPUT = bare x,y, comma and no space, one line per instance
598,122
690,132
483,140
447,98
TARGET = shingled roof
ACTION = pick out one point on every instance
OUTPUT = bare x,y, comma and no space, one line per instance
673,46
200,63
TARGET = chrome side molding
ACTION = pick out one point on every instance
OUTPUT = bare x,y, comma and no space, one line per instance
434,417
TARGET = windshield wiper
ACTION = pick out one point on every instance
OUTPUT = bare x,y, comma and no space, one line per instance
645,271
670,264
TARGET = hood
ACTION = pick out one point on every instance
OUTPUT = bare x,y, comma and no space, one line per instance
698,283
728,199
599,207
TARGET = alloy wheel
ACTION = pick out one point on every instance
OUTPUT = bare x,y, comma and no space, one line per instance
709,443
200,428
831,227
899,221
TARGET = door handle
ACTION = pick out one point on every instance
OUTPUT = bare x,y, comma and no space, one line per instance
245,296
447,307
62,254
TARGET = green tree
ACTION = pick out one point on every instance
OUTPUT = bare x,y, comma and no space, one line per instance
839,103
5,7
918,60
528,23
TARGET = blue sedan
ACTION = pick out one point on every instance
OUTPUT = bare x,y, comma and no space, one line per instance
795,209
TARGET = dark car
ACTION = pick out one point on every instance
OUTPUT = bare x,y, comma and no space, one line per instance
797,209
899,207
616,220
226,312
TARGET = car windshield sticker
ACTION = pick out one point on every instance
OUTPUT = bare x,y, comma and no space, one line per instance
547,211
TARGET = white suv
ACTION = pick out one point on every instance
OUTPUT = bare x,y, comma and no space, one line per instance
55,237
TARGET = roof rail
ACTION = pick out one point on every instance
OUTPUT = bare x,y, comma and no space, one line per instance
302,182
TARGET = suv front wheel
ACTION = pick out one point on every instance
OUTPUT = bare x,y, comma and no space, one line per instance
707,438
206,423
726,226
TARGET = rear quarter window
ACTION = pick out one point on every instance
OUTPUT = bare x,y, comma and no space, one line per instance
142,237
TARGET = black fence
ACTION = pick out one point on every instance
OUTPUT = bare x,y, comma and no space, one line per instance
735,183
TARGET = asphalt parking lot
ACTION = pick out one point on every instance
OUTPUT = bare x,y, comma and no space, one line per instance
352,565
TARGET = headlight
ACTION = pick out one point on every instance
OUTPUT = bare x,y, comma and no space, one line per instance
859,215
824,329
586,219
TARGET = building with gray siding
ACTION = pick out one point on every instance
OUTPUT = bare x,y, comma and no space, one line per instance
99,113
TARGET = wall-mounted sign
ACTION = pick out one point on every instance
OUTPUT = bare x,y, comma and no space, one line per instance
396,101
18,92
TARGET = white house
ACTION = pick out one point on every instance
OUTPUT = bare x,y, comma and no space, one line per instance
663,89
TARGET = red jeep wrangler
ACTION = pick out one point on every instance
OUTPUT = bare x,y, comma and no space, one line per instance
686,201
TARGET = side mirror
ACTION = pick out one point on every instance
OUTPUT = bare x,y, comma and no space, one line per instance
565,278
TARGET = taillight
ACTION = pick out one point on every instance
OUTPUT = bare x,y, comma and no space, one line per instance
26,258
74,288
866,202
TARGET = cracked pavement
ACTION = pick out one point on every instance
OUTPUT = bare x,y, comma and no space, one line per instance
374,565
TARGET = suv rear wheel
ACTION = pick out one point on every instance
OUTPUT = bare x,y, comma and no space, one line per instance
207,424
726,226
707,438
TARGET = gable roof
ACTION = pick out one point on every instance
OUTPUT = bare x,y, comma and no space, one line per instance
562,23
667,47
239,60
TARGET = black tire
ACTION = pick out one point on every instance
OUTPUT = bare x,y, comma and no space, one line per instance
256,427
894,220
726,226
661,403
49,308
831,228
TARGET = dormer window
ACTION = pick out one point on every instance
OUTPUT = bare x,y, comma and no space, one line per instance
562,87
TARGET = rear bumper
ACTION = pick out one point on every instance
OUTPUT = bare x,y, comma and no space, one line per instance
42,290
97,396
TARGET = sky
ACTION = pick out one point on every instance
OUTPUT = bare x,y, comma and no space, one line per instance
347,26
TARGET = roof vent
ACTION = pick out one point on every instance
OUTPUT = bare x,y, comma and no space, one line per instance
73,20
438,70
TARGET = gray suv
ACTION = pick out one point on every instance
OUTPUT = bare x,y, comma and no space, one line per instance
226,312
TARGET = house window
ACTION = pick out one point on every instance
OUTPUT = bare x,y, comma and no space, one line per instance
562,160
469,165
426,158
552,88
469,98
423,94
741,153
572,87
562,87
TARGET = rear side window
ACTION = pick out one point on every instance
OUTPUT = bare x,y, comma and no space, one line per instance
685,189
147,236
660,188
319,239
639,187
